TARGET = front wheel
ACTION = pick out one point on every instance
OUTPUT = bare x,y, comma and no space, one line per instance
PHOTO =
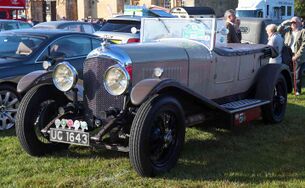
37,108
275,111
156,136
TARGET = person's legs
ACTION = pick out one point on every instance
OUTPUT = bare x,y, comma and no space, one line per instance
299,68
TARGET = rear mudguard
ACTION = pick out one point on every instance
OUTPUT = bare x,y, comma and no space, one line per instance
40,77
149,87
267,77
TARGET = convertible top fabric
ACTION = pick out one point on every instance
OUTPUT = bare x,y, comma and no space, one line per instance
234,49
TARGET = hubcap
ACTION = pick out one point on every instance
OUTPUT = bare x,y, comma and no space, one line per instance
9,103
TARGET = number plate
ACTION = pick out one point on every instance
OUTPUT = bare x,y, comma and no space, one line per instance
69,136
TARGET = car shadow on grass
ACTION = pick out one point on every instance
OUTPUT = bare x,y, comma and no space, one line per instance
8,133
89,153
256,153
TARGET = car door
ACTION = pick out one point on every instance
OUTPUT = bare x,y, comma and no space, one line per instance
73,48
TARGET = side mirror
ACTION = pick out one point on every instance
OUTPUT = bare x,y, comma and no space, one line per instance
46,65
134,30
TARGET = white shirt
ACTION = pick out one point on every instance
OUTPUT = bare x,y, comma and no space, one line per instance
294,36
277,42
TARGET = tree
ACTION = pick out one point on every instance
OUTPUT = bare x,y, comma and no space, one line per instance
299,6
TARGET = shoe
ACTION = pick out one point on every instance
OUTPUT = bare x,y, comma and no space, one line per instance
297,94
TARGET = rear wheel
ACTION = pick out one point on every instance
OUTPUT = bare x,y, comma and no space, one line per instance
37,108
156,136
275,111
9,102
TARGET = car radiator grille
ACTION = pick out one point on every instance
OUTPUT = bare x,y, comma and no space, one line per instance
96,98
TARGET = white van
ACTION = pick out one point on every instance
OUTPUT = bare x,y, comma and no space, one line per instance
273,9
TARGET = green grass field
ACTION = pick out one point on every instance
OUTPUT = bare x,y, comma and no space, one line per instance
258,155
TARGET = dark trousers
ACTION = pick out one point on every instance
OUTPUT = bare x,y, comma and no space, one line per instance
298,76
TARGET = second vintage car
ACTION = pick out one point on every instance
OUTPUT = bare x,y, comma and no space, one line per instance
138,98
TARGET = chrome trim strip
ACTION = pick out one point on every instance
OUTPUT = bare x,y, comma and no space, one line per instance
111,52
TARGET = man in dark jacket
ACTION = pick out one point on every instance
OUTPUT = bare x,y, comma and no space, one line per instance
230,17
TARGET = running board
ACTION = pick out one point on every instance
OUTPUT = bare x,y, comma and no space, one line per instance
242,105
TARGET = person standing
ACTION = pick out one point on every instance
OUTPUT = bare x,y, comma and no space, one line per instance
230,17
237,28
276,41
295,39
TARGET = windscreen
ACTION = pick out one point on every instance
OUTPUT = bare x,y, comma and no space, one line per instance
18,46
201,30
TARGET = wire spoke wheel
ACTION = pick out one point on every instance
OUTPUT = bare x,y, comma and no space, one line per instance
279,98
163,136
274,112
157,135
36,110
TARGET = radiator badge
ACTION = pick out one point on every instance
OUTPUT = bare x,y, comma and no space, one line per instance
69,123
158,72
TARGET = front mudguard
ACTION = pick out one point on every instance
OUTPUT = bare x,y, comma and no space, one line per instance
40,77
147,88
43,77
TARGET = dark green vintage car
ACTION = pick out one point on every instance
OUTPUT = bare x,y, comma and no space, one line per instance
139,98
254,29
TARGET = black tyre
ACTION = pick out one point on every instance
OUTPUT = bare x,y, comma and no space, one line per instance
9,102
275,111
37,108
156,136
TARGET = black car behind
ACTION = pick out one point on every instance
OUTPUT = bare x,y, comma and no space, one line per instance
23,51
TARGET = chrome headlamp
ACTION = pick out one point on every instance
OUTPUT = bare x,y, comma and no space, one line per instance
116,80
64,76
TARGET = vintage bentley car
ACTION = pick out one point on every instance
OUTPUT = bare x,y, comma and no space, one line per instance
138,98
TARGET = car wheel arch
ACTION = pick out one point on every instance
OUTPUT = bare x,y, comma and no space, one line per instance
13,84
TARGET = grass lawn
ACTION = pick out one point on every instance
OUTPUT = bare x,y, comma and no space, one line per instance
257,155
